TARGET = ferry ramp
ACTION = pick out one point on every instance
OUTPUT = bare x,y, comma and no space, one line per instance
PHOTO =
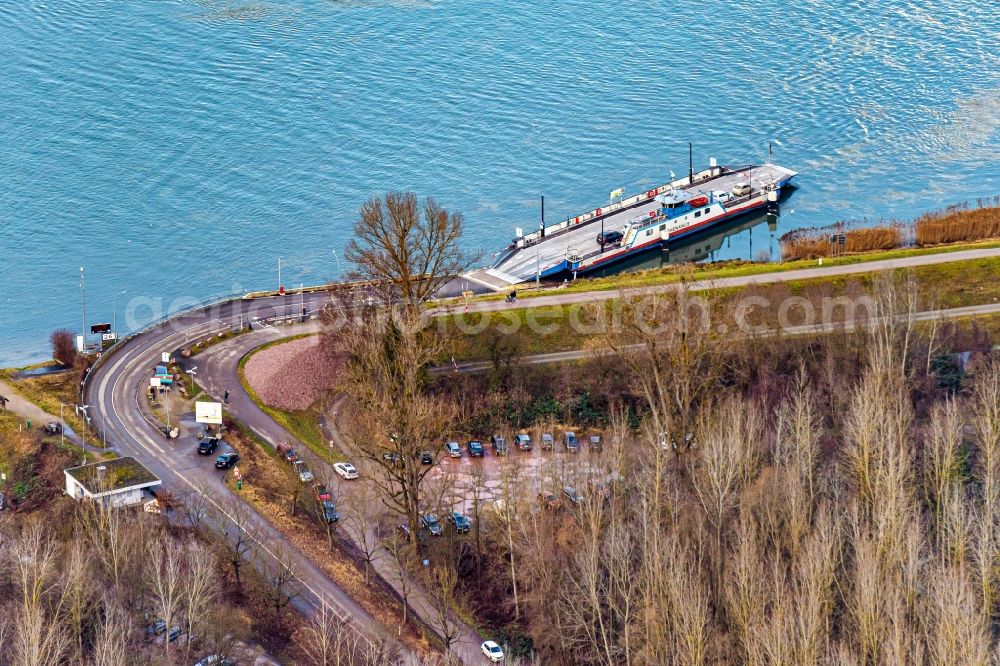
524,263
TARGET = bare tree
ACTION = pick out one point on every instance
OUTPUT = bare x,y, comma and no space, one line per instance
234,519
360,519
280,584
327,640
39,637
166,570
199,587
414,250
111,645
440,583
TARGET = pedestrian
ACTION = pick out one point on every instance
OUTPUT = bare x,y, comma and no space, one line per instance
225,397
3,403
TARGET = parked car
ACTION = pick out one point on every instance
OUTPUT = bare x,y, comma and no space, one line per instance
522,441
330,514
215,660
208,445
227,460
454,450
572,443
168,636
405,529
460,521
547,442
52,428
346,470
499,445
426,458
573,495
741,189
609,237
302,471
475,449
596,445
392,458
549,500
287,453
155,628
492,651
431,524
321,493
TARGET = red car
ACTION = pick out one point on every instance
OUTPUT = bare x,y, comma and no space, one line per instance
320,493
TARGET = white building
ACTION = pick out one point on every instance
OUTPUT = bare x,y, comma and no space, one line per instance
114,483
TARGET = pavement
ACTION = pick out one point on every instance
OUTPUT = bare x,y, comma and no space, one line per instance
116,392
115,387
218,372
21,406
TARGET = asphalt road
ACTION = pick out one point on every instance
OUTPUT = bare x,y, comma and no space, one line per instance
218,372
115,393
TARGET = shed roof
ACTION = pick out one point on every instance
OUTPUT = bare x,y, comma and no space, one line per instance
113,475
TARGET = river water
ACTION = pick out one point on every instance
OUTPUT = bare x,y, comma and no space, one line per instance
177,148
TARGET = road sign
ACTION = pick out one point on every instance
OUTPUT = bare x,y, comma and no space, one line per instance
154,381
165,357
109,337
208,412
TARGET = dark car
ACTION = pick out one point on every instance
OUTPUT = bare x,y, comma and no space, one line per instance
288,453
52,428
392,458
522,441
426,458
330,514
572,443
431,524
499,445
547,442
549,500
227,460
208,446
475,449
609,237
596,444
461,522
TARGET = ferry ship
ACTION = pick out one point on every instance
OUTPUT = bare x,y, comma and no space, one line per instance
646,221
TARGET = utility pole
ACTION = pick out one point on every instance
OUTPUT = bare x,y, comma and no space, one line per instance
690,163
114,311
542,227
83,305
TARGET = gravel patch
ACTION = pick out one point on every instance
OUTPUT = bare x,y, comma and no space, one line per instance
293,375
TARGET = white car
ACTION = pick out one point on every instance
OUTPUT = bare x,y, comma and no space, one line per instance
492,651
346,470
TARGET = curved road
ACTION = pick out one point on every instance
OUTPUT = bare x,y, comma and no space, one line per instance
115,392
114,389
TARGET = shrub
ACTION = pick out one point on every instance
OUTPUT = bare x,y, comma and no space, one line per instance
63,346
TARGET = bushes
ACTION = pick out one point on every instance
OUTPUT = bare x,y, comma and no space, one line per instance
957,224
814,243
63,346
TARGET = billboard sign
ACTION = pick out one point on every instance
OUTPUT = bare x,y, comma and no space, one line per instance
208,412
100,328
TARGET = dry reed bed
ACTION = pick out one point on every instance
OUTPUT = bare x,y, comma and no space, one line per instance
955,224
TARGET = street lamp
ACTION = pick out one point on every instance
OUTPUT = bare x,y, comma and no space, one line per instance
83,305
114,310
